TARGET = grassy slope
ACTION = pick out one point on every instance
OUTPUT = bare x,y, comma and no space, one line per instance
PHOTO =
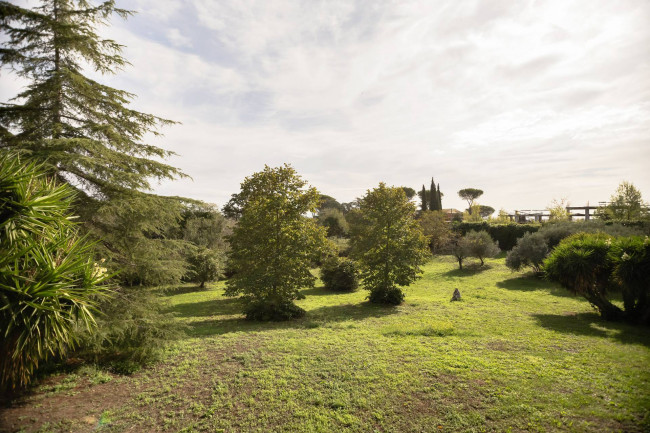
517,354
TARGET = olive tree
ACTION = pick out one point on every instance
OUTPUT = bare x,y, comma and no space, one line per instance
274,244
388,243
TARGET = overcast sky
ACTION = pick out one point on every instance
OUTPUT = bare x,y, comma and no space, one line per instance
527,100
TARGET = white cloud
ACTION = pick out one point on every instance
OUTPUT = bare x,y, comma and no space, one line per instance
529,101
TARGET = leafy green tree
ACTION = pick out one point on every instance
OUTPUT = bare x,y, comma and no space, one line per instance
204,226
334,221
470,194
410,192
49,283
485,211
388,244
274,244
481,245
437,230
558,210
205,265
83,130
625,204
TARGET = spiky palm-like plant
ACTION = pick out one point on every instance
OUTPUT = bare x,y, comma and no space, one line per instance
48,280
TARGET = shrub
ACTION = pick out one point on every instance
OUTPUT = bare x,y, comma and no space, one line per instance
48,283
205,265
531,250
505,234
594,265
132,331
340,275
481,245
631,259
386,296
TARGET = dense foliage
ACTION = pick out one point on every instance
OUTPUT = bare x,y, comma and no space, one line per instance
530,251
388,243
205,265
596,265
505,234
480,245
49,283
132,331
274,245
340,275
437,230
72,123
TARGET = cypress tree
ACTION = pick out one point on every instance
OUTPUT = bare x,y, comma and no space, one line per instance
433,197
423,196
439,198
84,131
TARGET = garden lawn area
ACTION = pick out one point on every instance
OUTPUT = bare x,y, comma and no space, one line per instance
516,354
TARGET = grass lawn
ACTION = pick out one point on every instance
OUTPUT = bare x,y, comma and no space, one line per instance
516,354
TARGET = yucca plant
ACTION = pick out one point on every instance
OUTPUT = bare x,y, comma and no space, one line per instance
49,283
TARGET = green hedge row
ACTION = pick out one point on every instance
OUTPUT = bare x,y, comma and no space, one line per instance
505,234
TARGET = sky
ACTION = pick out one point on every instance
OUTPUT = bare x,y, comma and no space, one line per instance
529,101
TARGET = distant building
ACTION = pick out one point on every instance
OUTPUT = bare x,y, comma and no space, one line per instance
453,214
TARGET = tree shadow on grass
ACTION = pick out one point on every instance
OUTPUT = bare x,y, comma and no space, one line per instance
231,306
322,291
531,284
591,324
214,307
468,270
181,290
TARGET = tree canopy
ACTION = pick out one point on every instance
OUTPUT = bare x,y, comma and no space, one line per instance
274,244
470,194
84,131
388,243
626,203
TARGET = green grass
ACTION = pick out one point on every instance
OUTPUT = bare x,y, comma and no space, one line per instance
516,354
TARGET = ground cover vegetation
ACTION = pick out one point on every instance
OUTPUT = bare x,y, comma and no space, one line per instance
347,365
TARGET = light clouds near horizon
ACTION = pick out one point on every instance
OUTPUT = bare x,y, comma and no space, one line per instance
527,100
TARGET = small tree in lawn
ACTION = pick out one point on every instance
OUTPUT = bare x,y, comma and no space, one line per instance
388,244
436,228
459,248
274,244
481,245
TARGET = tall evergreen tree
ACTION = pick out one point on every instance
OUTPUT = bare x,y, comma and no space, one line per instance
423,196
439,198
83,130
433,198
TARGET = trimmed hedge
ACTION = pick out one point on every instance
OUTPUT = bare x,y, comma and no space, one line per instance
505,234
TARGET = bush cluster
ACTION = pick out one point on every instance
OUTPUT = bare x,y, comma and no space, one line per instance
596,265
340,275
532,249
474,244
505,234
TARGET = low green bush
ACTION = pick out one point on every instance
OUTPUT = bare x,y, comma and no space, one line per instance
530,251
595,265
386,295
340,275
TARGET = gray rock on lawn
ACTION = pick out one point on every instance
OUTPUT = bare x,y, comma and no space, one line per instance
456,296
